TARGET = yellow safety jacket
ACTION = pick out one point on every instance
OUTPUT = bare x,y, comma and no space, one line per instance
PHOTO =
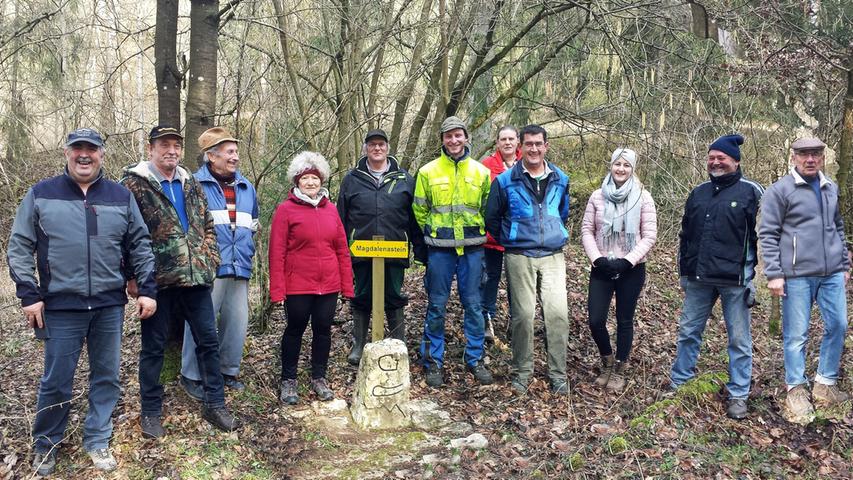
450,202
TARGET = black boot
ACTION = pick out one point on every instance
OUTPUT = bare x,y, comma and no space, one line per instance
396,324
360,320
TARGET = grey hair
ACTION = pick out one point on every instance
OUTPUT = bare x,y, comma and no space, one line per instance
213,149
306,161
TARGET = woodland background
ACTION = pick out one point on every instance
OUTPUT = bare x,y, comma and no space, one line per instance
663,77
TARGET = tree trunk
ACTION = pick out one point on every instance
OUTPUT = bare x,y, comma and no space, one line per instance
291,73
166,71
201,94
845,155
402,102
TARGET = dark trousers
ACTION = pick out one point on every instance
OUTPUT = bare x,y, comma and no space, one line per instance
194,305
493,263
363,275
627,289
319,309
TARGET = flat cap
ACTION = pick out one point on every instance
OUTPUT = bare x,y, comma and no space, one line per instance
213,137
452,123
807,143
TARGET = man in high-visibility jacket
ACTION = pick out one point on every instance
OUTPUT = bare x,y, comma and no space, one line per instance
450,202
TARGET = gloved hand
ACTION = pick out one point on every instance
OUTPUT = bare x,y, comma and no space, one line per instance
604,267
421,254
620,265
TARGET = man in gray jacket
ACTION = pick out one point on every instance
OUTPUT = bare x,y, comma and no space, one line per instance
82,228
805,259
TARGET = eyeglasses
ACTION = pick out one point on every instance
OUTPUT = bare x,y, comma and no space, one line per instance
809,153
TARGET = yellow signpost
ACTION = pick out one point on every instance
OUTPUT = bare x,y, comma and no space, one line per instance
379,250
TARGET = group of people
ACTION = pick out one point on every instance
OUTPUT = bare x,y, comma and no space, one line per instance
180,243
183,244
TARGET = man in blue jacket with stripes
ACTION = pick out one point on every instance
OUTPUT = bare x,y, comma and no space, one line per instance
527,211
233,203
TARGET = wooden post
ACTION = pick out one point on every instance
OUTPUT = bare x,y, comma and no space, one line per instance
378,311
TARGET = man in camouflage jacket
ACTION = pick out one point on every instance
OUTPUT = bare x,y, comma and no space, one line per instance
186,256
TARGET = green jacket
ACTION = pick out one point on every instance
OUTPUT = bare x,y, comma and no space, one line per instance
450,202
181,259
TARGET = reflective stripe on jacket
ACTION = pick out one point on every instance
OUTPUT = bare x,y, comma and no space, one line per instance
450,202
236,247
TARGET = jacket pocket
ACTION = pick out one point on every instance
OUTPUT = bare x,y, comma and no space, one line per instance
105,259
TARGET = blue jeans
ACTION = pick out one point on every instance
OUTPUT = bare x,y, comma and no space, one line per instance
101,331
231,300
492,266
800,294
194,305
698,301
468,268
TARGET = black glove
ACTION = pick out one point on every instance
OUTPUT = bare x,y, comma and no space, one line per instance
421,254
603,267
620,265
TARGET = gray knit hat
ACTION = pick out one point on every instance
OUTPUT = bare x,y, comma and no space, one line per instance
452,123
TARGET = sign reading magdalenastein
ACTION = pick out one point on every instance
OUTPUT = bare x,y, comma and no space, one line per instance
380,248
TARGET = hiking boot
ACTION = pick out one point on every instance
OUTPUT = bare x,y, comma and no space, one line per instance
560,387
151,427
736,408
103,459
194,388
288,394
231,382
360,320
489,328
397,324
798,408
321,388
828,395
220,418
520,386
434,377
45,463
618,378
606,369
481,373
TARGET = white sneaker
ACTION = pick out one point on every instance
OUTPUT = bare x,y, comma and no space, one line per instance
103,459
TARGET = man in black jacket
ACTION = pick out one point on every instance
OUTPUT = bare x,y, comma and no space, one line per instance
717,257
375,198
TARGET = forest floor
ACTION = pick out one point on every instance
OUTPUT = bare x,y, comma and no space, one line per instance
642,433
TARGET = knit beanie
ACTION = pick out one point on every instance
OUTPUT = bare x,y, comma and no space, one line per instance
626,153
728,144
452,123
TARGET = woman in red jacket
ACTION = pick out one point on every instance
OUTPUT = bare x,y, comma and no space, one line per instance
310,265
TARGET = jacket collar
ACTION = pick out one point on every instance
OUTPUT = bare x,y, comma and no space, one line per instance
145,170
727,180
799,180
203,175
74,184
393,165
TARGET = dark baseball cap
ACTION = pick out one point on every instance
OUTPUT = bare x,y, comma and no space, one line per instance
164,131
376,132
88,135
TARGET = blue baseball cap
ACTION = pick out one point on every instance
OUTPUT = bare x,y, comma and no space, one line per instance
88,135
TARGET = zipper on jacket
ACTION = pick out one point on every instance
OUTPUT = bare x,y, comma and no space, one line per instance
88,248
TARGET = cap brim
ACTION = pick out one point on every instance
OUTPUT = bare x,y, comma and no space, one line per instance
383,137
166,134
83,140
